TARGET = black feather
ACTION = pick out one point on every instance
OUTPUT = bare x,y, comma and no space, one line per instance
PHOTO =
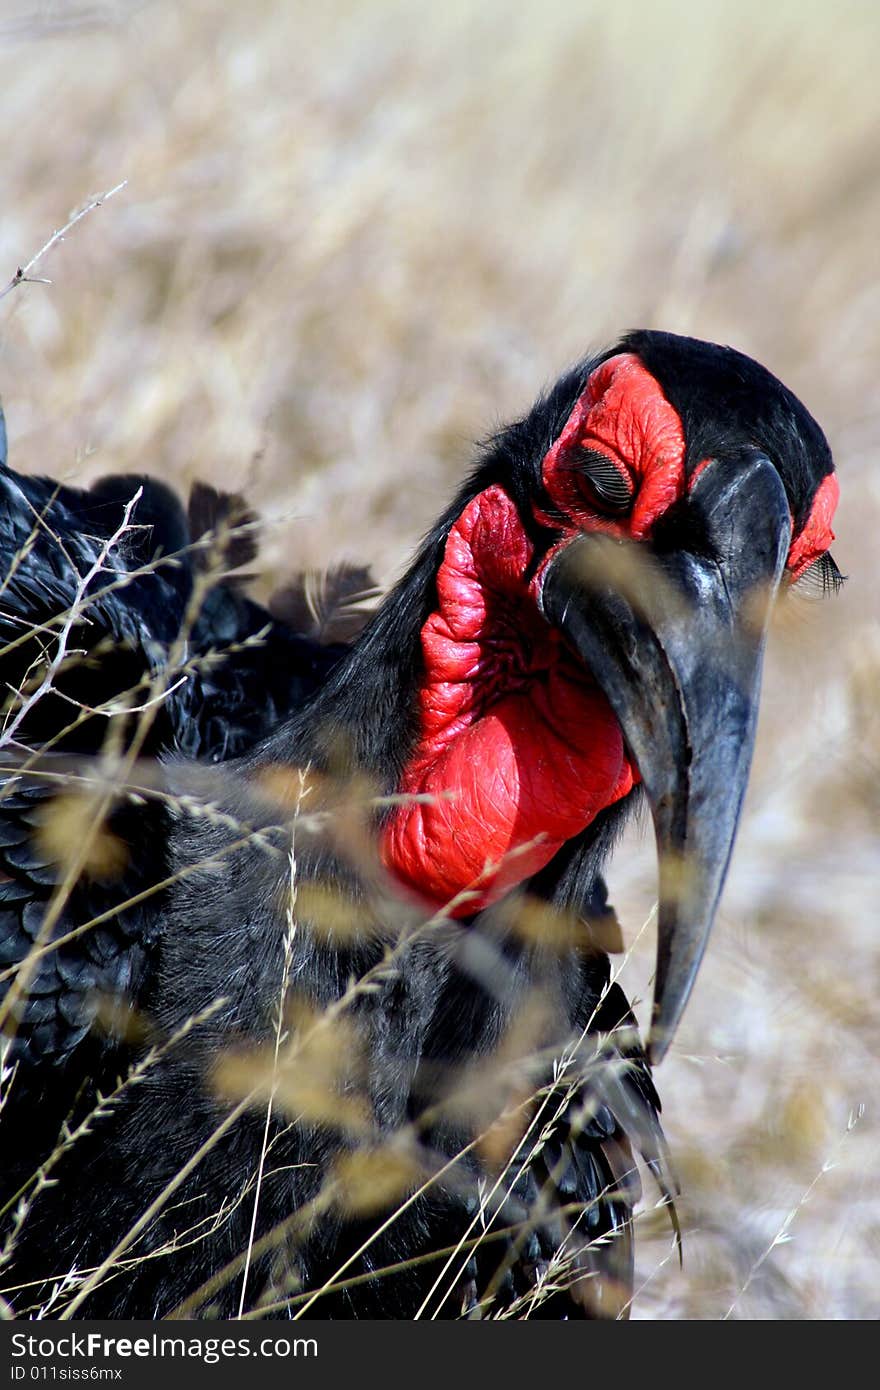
329,606
225,519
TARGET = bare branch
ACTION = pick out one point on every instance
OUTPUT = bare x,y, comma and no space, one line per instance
23,276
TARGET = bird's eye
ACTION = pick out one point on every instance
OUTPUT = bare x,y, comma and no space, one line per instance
821,578
607,483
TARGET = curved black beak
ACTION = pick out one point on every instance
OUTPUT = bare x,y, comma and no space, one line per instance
675,638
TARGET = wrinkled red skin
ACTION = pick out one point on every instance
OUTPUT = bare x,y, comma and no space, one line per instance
518,746
624,415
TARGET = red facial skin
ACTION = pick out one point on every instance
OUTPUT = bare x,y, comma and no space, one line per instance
816,534
624,415
518,747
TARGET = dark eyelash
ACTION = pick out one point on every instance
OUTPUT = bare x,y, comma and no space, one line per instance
610,486
821,579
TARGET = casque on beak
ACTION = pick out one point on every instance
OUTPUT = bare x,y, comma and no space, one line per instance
675,638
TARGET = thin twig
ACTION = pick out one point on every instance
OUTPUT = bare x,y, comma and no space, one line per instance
23,276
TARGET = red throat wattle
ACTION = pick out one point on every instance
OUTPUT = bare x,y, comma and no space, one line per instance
518,746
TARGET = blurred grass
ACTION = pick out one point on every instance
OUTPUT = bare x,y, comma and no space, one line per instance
355,237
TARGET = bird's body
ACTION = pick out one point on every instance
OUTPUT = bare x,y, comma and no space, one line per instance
390,1073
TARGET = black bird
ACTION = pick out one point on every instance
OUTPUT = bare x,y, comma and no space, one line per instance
365,1055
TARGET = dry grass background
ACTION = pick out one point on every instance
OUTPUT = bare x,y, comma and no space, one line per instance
355,236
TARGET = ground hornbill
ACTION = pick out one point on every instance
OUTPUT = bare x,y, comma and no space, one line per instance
308,1007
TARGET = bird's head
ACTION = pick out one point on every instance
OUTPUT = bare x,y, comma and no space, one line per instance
602,605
